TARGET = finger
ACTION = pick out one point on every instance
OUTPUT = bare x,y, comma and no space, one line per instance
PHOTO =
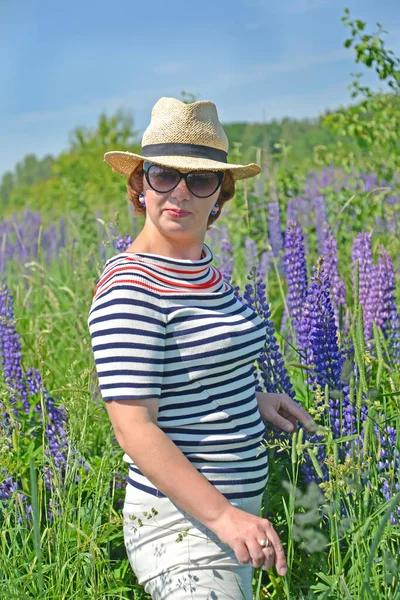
299,413
283,423
269,558
256,553
280,559
292,420
242,553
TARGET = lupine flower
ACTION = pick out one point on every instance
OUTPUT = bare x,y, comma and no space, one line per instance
383,288
10,350
23,388
227,259
223,258
9,488
388,465
319,332
122,243
370,181
326,360
274,222
270,369
296,275
321,222
337,286
291,210
266,261
55,427
251,254
362,251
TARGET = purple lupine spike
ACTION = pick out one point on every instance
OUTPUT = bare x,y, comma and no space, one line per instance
10,349
274,223
219,237
273,371
226,256
10,488
384,289
266,261
388,465
370,181
291,209
321,221
325,360
122,243
55,422
296,275
54,425
362,251
222,250
338,288
33,381
270,370
319,332
251,254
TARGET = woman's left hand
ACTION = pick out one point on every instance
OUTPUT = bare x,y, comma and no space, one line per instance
282,411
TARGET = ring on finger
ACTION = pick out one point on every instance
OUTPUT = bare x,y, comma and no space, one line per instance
264,543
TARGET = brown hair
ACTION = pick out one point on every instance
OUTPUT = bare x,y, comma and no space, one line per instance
135,187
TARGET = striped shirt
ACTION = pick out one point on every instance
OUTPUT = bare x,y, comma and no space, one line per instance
173,329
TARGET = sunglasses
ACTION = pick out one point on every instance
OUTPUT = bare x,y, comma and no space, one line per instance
200,183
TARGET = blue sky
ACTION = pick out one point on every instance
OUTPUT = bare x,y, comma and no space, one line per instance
63,64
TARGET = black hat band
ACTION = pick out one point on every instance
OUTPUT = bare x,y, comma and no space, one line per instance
193,150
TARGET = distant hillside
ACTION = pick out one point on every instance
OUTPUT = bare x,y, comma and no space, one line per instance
301,134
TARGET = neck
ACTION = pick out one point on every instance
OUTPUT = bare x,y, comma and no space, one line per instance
171,247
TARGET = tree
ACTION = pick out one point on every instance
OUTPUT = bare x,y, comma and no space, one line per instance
373,123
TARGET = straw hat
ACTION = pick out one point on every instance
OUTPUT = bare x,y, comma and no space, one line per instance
183,136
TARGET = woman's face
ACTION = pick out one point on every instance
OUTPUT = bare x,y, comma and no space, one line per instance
195,211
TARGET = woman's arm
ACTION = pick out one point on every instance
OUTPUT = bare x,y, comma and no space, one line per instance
161,461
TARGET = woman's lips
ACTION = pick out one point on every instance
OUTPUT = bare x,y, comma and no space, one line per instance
177,213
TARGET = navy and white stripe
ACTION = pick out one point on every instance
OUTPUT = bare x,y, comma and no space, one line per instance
174,330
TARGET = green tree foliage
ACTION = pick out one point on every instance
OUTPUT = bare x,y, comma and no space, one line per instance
373,123
301,134
29,171
78,178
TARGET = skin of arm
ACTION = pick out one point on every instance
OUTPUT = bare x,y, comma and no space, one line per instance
161,461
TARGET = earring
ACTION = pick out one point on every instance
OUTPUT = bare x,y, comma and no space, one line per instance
141,196
214,210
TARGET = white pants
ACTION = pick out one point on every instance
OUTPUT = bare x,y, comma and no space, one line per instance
199,566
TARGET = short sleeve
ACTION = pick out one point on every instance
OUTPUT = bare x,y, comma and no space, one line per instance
127,325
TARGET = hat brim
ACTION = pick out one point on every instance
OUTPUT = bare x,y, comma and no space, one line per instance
126,162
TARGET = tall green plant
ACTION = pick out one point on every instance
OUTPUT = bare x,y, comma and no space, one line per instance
373,122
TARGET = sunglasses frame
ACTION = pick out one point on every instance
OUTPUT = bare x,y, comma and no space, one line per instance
147,165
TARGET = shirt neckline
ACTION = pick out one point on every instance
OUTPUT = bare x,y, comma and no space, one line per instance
206,259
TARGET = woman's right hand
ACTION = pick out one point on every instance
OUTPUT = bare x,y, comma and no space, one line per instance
243,531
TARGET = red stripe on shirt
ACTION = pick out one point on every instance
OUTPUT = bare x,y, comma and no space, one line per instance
216,278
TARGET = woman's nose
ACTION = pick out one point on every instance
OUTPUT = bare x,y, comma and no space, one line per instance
181,189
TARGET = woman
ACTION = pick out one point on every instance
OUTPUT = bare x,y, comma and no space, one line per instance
174,350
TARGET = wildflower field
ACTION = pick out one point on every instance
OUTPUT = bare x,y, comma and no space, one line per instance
314,247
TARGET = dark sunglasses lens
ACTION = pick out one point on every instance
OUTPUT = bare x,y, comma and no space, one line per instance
162,179
203,184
